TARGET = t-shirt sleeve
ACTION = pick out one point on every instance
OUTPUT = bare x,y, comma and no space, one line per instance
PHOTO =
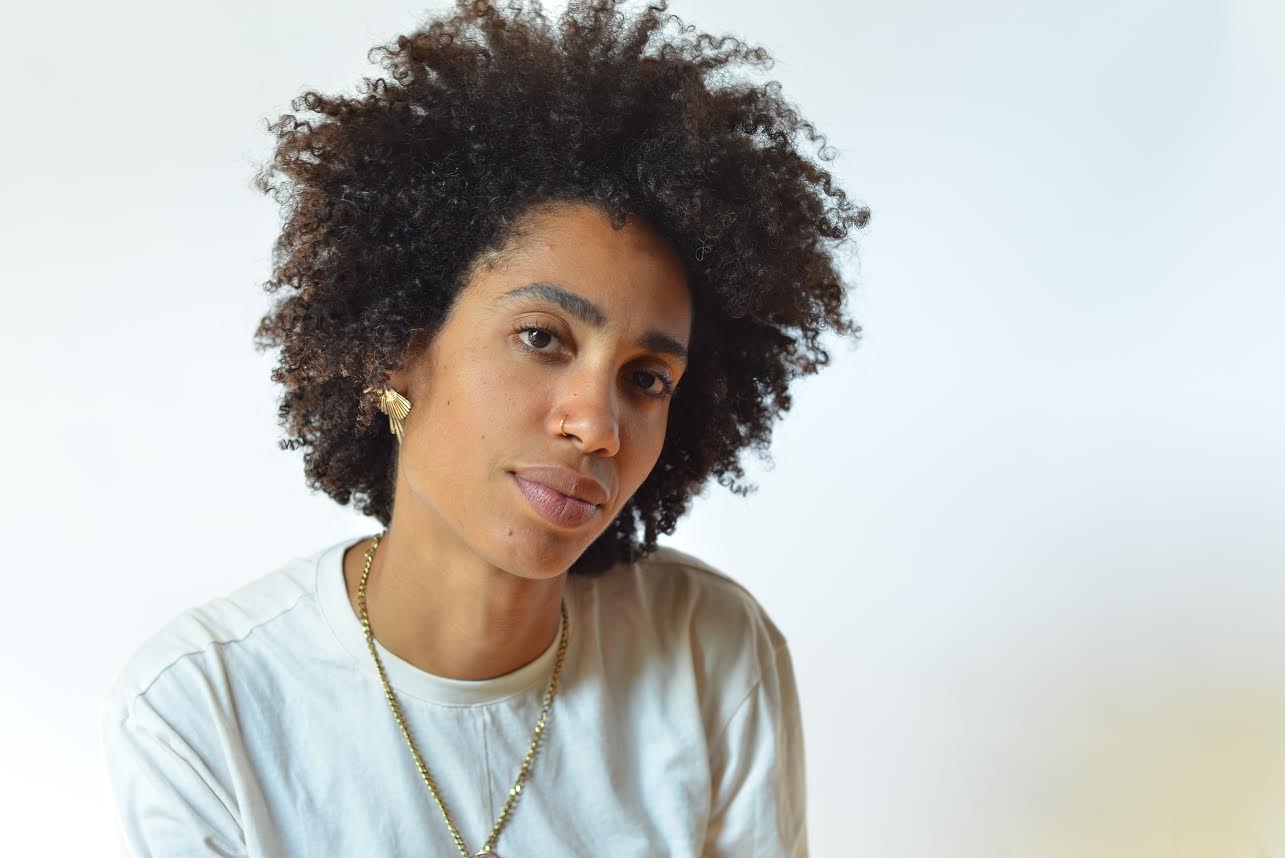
758,807
168,802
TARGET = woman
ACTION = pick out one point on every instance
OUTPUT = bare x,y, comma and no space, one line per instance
577,279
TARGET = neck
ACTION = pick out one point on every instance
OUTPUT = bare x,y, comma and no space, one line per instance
436,604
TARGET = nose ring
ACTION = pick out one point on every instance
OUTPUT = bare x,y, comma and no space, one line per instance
562,425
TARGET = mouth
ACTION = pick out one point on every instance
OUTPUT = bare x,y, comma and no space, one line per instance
553,506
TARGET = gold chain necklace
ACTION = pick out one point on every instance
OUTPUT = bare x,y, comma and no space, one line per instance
486,850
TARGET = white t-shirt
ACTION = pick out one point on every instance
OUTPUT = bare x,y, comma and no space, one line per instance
256,725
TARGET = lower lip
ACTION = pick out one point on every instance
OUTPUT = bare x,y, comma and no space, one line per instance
555,507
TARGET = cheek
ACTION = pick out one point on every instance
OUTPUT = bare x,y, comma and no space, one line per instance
641,440
474,399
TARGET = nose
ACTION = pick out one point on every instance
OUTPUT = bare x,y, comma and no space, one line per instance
589,405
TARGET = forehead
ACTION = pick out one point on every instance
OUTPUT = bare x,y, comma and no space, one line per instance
625,277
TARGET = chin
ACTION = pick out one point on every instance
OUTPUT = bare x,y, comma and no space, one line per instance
532,553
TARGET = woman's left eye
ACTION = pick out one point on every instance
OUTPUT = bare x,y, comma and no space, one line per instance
666,386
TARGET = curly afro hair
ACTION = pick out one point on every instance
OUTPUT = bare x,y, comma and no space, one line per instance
392,199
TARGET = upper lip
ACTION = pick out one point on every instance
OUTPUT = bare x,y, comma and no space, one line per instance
567,481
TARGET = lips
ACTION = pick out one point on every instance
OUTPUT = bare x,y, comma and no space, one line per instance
567,482
553,506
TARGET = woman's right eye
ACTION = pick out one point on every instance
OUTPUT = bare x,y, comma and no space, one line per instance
534,334
535,338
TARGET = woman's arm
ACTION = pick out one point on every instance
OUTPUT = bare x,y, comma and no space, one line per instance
169,803
759,807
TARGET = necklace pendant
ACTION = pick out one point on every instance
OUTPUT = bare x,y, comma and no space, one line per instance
485,853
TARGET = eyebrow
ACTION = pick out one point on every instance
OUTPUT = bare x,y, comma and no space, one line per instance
592,315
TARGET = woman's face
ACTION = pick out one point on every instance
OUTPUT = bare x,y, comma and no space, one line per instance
582,322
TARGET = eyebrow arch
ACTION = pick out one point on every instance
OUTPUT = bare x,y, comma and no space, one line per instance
592,315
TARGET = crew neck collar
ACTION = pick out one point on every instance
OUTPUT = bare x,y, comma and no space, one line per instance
406,678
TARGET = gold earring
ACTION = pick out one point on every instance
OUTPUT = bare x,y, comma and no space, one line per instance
394,405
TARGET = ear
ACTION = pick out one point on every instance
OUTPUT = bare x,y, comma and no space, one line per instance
399,379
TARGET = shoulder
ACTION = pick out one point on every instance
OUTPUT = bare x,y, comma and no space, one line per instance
706,620
194,639
711,594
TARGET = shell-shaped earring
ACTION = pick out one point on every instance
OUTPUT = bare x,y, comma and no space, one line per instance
394,405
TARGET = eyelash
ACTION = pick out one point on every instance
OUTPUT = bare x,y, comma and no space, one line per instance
523,329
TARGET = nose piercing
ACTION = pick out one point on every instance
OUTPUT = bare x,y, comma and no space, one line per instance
562,425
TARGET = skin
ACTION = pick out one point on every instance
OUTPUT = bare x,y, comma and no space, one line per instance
467,582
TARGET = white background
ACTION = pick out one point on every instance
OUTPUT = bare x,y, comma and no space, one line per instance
1026,541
